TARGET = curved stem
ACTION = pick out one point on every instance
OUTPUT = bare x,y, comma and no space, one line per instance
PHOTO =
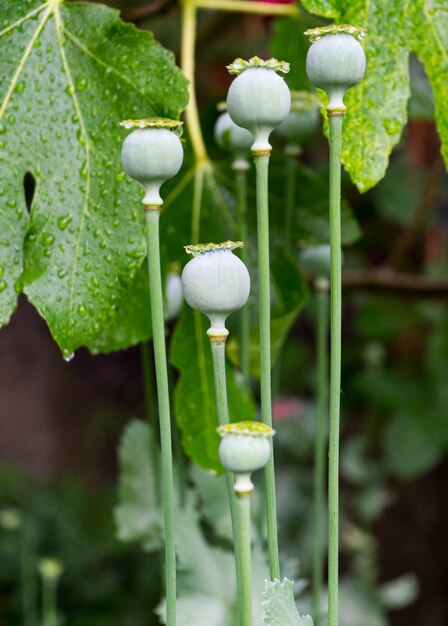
188,37
248,6
241,216
335,367
245,550
158,328
219,373
319,454
262,167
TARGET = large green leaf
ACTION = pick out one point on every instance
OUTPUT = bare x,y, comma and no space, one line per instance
68,75
194,402
377,107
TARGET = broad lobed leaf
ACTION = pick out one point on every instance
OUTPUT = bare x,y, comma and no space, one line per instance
69,73
377,107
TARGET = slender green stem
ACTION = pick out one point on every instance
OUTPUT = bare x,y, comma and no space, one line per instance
241,216
319,453
158,328
49,603
27,576
335,367
151,408
219,372
179,456
245,550
291,206
262,167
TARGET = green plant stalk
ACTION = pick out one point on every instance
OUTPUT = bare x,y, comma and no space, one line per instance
262,168
245,550
319,453
27,577
219,373
49,603
335,367
179,456
151,408
290,209
241,216
158,329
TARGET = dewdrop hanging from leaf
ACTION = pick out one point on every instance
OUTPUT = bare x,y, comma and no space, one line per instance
216,283
152,154
258,99
336,61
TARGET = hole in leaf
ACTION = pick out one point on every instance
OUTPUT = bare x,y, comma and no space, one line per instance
29,185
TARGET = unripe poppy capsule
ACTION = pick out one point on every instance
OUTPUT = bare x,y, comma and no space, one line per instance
152,154
216,282
258,99
336,61
245,447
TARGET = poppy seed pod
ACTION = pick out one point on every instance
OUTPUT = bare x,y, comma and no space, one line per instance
216,282
174,297
245,447
233,139
316,260
336,61
152,154
301,122
258,99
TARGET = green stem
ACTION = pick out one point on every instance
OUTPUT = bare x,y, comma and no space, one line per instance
27,576
290,209
49,603
319,453
151,408
241,216
262,167
179,457
158,329
245,550
335,367
219,373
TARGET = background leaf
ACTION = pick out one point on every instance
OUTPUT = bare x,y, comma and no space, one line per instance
137,516
279,605
69,74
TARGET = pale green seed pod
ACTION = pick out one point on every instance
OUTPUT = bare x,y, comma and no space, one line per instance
235,140
174,297
335,61
216,282
50,569
301,123
152,154
258,99
315,260
244,448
